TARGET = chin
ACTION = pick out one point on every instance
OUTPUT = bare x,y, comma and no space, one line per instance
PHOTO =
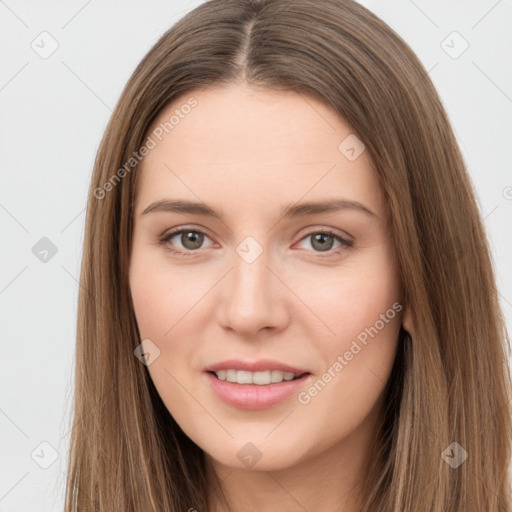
264,461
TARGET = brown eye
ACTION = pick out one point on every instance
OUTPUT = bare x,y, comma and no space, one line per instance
191,239
322,241
182,241
326,241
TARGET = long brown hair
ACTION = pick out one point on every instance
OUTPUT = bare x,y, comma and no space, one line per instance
451,379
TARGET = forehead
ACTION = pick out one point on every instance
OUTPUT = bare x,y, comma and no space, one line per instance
245,145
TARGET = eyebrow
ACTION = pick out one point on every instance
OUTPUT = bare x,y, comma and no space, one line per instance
289,211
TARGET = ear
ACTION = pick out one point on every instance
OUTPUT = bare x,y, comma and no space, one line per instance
407,321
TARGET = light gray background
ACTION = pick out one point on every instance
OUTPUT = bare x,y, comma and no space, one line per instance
53,113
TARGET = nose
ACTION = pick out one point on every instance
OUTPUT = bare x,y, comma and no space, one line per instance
253,297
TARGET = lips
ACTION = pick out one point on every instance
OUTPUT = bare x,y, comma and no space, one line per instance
255,385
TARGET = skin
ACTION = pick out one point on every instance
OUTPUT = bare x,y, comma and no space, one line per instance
249,152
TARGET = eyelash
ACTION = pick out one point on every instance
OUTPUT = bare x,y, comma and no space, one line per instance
346,244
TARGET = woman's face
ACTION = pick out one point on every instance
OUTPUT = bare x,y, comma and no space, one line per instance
256,280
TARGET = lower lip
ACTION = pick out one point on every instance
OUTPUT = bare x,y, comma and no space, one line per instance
254,396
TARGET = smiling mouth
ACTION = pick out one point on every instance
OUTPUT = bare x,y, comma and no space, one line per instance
262,378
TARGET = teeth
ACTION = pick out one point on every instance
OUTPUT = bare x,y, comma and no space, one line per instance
221,374
260,378
243,377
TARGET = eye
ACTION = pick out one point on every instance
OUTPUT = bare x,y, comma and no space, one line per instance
190,239
323,241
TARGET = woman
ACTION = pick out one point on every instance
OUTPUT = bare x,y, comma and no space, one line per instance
287,299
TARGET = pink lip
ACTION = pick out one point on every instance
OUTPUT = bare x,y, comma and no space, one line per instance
254,396
254,366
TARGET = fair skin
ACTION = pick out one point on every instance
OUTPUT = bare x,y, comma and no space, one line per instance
248,153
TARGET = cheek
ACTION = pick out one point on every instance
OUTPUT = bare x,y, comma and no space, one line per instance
163,298
356,302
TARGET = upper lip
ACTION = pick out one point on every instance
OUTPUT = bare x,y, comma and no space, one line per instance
260,365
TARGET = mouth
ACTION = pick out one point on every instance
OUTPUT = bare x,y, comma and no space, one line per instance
255,385
259,378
